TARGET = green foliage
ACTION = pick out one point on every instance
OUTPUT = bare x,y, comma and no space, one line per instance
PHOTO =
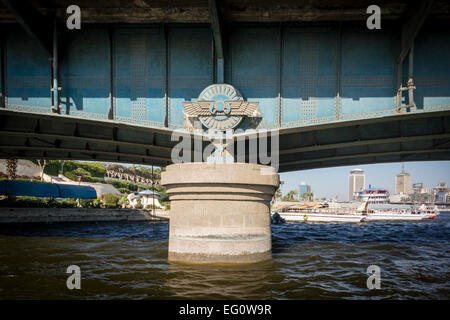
86,203
124,201
34,202
111,200
162,191
71,175
96,203
30,202
51,203
290,196
90,203
94,179
68,203
82,172
124,185
166,205
91,172
52,168
139,204
307,196
123,190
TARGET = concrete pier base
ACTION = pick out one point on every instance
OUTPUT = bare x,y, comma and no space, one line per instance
219,212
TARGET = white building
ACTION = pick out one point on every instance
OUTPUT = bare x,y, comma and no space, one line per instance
147,198
356,183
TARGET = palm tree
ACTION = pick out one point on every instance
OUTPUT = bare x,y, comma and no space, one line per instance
290,196
42,167
307,196
11,167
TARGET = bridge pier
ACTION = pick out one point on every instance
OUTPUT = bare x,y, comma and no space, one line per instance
219,212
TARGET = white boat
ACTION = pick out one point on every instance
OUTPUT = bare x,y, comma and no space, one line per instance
315,212
391,214
384,216
321,217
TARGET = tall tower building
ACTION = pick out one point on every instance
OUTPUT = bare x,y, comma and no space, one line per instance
302,188
356,183
403,182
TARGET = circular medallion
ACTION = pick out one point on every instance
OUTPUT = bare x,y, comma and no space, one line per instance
220,111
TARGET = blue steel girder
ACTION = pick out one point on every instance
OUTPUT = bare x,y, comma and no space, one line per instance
415,16
328,88
300,75
411,137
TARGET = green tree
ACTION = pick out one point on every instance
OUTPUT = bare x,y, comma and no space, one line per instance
123,201
307,196
290,196
138,204
111,200
42,166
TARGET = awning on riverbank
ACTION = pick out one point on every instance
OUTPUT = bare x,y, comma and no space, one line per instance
16,188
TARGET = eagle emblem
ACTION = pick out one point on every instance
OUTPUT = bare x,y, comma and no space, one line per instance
220,106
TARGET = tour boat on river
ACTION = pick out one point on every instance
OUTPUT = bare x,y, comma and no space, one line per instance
317,212
413,214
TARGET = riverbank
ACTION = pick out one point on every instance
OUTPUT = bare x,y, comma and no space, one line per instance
48,215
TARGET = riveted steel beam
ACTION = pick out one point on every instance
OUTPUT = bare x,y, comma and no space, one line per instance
415,16
85,139
216,23
85,151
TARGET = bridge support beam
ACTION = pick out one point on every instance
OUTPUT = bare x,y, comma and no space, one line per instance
415,17
219,212
218,42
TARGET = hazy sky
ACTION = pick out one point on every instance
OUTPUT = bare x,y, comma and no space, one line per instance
331,182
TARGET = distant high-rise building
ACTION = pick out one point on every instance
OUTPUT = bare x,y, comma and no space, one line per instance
418,187
303,187
441,193
356,183
403,182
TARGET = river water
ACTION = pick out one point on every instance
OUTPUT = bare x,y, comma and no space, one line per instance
310,261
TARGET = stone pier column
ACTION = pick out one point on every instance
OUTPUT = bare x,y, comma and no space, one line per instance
219,213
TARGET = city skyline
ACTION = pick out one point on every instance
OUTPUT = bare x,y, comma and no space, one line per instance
333,181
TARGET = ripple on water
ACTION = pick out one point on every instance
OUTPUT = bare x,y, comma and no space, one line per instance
310,261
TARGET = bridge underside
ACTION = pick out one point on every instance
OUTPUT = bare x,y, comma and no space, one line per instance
418,137
114,90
